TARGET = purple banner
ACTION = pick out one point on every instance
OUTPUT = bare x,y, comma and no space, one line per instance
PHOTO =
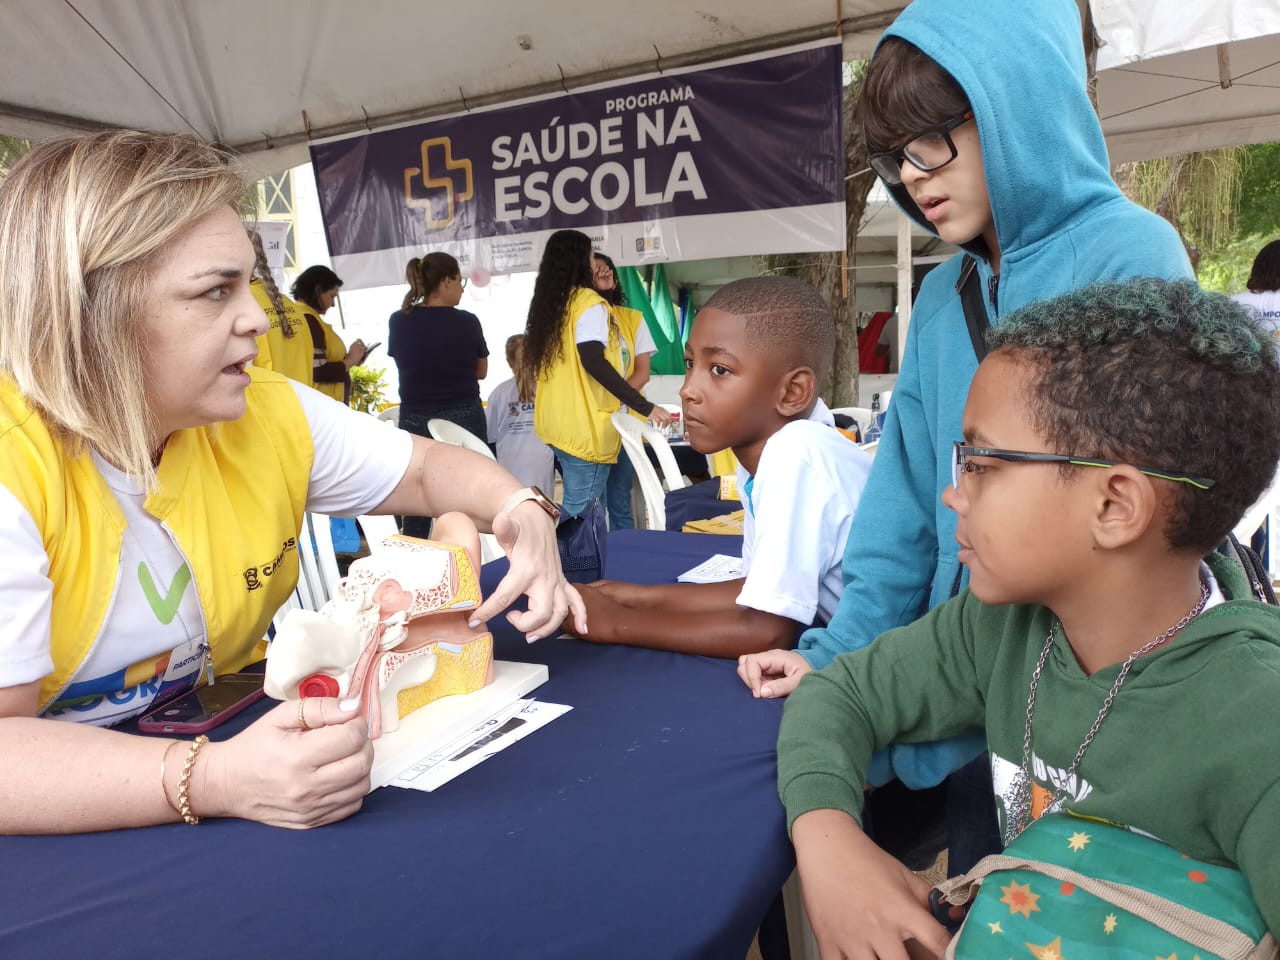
742,157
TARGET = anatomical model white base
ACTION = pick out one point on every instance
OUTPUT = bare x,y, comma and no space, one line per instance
394,635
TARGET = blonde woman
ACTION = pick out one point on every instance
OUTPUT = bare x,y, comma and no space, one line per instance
152,484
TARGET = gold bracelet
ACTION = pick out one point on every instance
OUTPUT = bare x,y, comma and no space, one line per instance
163,789
184,781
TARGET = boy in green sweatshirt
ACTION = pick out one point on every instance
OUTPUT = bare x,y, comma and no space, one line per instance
1112,438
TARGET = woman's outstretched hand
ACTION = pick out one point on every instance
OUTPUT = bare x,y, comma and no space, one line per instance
528,536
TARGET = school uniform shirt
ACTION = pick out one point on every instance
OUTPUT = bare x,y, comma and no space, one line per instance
510,426
797,510
1266,306
153,638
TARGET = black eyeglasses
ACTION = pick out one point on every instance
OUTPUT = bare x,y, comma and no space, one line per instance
961,453
928,150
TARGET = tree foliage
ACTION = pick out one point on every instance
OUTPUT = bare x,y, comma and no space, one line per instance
1225,205
11,148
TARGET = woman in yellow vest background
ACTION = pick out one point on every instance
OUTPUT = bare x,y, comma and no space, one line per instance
152,487
638,349
285,346
573,346
316,290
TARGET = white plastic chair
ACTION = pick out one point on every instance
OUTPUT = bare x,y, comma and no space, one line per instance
376,529
634,433
446,431
317,565
391,413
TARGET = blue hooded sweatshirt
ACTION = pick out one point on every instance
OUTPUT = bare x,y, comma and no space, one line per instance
1061,222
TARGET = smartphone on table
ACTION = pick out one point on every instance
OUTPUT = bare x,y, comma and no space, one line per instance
203,708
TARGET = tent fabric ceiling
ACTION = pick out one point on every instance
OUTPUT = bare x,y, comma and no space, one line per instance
242,73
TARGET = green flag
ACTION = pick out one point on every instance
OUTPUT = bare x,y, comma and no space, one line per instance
659,316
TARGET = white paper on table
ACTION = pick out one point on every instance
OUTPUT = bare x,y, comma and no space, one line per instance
479,744
715,569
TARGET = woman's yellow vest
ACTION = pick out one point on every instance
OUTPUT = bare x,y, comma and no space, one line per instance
293,356
334,349
231,496
629,322
571,409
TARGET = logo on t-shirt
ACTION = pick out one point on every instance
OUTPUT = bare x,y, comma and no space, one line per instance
252,574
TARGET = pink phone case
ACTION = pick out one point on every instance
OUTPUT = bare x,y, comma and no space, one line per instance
188,704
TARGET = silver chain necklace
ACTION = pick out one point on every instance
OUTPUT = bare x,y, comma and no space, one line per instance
1018,814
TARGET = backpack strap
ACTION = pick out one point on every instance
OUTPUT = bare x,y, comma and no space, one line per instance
975,311
1254,568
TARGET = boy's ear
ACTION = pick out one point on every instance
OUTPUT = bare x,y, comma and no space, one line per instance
1126,506
798,389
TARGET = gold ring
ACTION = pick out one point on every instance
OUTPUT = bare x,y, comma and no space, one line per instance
302,714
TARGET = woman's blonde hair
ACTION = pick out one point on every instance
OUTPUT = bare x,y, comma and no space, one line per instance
83,221
526,380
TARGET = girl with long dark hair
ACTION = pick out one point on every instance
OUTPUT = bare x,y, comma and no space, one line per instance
574,347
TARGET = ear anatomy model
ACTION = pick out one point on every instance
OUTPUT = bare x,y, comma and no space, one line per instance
394,635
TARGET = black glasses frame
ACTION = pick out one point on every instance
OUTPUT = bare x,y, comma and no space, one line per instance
962,451
888,164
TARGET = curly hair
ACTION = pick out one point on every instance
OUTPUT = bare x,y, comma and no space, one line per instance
1265,274
312,282
784,317
1159,373
565,266
614,296
905,92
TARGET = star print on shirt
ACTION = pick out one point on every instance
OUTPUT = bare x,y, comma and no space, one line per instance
1050,951
1019,899
1078,841
995,927
1109,925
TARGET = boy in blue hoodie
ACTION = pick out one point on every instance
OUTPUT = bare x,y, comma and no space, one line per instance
977,118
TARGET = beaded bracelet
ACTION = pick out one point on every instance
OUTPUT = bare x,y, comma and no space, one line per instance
184,781
164,757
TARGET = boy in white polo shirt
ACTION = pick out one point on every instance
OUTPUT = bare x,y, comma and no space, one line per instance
756,357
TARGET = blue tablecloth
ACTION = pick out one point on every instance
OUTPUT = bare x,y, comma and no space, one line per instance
643,823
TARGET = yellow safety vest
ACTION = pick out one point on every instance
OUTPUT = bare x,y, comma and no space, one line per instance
293,356
334,349
571,409
231,496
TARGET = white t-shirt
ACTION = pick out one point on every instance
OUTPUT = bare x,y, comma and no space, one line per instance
1267,306
155,614
798,508
592,324
510,426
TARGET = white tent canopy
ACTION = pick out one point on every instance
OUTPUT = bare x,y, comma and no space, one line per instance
257,76
1175,77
